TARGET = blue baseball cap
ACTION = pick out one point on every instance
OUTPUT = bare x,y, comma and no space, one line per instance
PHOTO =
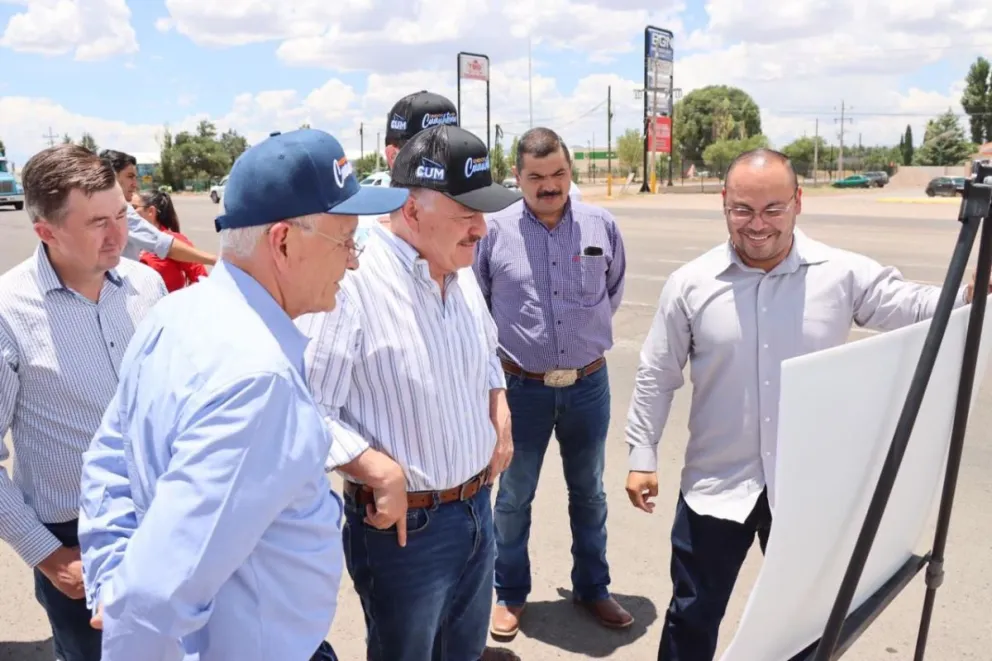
295,174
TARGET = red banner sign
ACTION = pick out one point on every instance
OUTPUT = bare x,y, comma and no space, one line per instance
660,135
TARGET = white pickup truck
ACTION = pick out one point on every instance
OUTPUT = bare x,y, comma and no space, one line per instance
11,193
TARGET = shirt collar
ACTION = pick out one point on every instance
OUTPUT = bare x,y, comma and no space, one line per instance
408,255
804,252
50,280
566,216
289,337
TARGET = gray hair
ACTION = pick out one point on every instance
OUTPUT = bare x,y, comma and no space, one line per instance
241,242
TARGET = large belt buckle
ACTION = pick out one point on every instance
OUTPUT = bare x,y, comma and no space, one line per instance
560,378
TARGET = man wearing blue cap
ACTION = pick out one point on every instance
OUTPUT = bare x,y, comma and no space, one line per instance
206,526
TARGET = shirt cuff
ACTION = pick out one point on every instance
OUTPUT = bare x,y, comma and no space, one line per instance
497,378
163,245
643,458
36,545
346,446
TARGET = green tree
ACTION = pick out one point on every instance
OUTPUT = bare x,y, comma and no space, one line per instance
977,100
206,129
88,142
167,173
630,151
3,149
512,156
500,169
234,144
907,146
305,125
367,164
944,142
719,155
710,114
66,139
805,153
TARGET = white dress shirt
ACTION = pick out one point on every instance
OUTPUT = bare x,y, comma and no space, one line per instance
736,324
399,368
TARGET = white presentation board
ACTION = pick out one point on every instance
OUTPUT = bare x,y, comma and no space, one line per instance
838,411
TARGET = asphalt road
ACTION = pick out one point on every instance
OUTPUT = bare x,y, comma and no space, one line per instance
660,235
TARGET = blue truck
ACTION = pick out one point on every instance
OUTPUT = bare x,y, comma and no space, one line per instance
11,193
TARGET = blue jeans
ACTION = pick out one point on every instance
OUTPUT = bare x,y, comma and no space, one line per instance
72,636
580,417
707,554
431,600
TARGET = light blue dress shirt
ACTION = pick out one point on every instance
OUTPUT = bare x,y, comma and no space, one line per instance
142,235
207,526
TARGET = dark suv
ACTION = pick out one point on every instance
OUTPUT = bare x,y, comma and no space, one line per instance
878,179
945,186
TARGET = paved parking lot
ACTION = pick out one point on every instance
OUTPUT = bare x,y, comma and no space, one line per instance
660,235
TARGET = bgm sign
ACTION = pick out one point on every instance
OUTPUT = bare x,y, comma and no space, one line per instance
660,137
473,67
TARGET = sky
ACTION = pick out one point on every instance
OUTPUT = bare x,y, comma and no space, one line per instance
124,70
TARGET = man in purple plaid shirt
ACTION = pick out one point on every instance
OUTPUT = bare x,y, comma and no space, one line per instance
552,271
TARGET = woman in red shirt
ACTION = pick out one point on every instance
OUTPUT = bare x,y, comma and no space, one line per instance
156,207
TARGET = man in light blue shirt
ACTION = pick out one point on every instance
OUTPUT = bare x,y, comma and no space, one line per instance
207,528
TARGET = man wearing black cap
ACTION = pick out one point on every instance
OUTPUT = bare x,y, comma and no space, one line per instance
206,528
411,115
408,366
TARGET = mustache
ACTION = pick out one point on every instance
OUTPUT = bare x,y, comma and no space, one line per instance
472,240
549,193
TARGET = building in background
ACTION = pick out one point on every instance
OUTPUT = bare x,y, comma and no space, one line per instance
148,175
590,164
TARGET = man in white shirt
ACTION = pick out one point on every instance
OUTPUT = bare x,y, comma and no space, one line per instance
768,294
407,364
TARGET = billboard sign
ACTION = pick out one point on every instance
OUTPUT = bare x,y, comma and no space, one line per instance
660,137
473,67
659,44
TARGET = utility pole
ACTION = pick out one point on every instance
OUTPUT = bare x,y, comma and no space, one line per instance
840,154
609,141
361,138
816,150
50,137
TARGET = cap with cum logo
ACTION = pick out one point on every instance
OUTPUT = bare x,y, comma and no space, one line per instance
455,163
299,173
416,112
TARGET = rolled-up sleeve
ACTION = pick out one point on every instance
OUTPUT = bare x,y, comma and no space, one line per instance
142,235
19,525
219,493
335,343
107,515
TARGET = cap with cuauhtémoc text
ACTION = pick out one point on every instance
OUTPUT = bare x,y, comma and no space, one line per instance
455,163
295,174
416,112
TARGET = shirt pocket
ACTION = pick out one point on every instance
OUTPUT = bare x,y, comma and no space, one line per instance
591,278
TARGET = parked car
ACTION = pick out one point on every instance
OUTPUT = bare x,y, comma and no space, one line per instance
854,181
217,191
376,179
878,178
945,186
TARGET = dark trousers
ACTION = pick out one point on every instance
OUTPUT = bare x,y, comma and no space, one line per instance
73,637
707,554
580,417
432,599
324,653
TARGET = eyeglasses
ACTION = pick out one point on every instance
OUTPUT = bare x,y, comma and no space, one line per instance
772,213
348,243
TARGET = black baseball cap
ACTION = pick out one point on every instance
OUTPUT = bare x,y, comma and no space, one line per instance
455,163
416,112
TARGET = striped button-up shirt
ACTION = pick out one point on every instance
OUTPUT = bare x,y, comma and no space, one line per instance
400,368
59,358
553,303
736,324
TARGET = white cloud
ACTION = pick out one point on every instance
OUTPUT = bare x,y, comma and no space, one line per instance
798,60
91,29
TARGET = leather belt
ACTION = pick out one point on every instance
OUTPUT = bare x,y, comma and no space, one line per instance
554,378
423,499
